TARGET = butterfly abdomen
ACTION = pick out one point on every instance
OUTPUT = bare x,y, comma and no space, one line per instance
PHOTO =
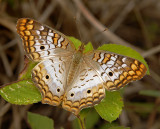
74,67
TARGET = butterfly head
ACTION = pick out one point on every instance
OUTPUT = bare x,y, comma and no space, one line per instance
81,48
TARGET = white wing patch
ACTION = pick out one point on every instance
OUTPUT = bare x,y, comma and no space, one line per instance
50,77
59,41
86,90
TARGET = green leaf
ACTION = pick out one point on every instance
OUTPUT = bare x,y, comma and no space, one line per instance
22,92
88,47
40,122
91,119
84,112
111,106
75,41
75,124
123,50
153,93
26,72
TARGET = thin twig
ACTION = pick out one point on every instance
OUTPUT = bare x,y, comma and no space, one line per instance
4,109
60,20
152,116
155,76
146,3
123,118
16,117
9,44
21,50
151,51
40,4
128,8
148,42
107,34
34,8
4,79
8,24
24,110
68,9
48,11
6,64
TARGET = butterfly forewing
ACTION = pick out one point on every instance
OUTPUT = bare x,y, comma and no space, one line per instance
41,41
50,77
86,90
115,70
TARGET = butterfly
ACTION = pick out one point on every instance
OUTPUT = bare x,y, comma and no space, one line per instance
68,77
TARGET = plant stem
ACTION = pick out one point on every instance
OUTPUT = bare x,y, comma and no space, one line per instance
81,122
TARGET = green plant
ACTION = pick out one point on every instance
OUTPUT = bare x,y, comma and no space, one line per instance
24,92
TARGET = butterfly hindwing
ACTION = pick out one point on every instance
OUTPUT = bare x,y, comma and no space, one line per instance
116,70
41,41
86,90
50,77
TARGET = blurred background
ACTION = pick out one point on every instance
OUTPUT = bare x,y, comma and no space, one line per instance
133,23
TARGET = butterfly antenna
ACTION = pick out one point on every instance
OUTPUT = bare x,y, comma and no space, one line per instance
79,32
